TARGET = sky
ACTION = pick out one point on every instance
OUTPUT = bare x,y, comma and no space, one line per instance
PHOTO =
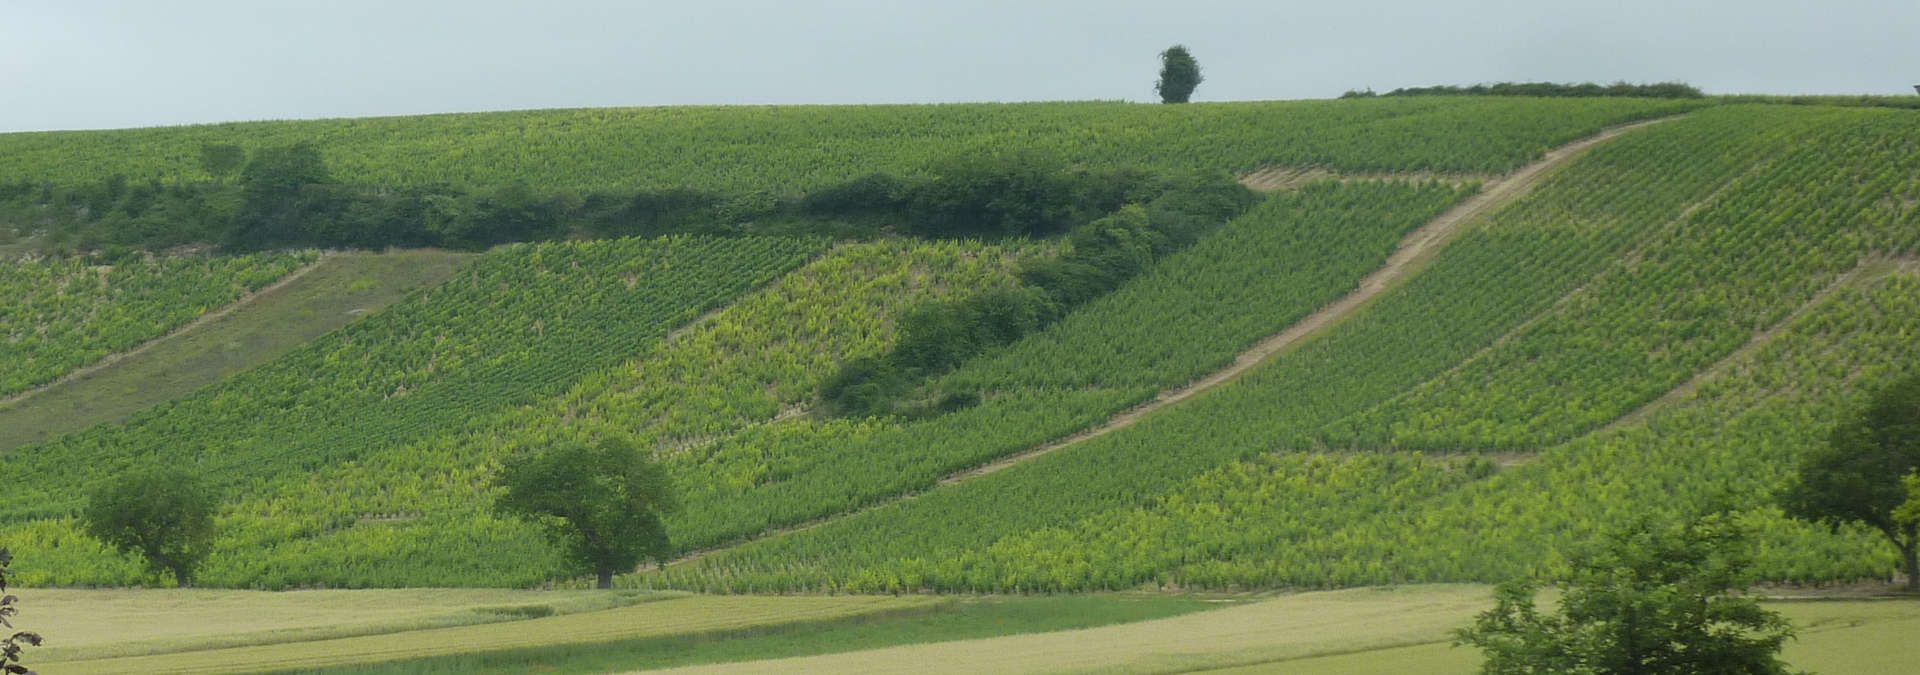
80,64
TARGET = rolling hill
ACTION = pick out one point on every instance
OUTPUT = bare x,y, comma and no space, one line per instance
1477,331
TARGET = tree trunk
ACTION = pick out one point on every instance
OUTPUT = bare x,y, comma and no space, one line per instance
1911,553
182,577
606,580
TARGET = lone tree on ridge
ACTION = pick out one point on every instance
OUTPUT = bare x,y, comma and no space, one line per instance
165,515
1856,476
1179,75
602,499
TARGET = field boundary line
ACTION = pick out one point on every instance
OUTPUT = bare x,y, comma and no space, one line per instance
1282,177
1867,270
198,322
1631,257
1410,257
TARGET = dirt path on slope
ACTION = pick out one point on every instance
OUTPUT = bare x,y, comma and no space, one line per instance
1414,251
1868,270
317,298
1277,178
1411,256
190,326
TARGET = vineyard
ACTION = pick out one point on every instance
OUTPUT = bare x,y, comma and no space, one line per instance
1669,318
64,313
515,326
1208,471
788,149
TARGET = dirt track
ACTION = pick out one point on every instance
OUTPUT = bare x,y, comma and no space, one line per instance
189,327
1414,251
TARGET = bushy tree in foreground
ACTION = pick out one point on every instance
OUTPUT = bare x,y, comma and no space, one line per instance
602,499
1653,598
1179,75
165,515
11,647
1856,476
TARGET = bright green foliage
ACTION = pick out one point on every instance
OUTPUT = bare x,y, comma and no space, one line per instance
602,499
1762,247
163,515
1909,512
518,325
787,149
1857,476
1607,214
64,313
417,513
1652,599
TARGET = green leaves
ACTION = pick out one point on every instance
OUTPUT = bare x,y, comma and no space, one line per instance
1653,597
163,515
602,499
65,313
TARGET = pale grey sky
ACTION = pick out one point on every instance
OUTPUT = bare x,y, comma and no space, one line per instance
70,64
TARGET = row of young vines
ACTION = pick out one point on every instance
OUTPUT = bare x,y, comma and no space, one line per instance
1537,280
63,313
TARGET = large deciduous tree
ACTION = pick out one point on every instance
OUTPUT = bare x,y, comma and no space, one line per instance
1651,599
1179,75
601,498
165,515
1856,476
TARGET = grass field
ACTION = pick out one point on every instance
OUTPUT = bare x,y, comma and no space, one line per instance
341,288
185,633
1363,630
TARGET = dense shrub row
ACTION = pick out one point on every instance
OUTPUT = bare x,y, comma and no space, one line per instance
1548,90
1166,216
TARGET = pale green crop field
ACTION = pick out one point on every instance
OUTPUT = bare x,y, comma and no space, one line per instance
172,631
1362,630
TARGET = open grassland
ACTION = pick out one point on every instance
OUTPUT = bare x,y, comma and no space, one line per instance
1835,637
1397,630
786,149
1363,630
329,294
95,624
958,619
656,617
1083,518
62,314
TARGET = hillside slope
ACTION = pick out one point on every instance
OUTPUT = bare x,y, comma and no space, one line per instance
1119,510
1667,317
258,328
65,314
785,149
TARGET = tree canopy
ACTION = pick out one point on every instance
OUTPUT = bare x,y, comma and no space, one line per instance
165,515
1856,476
1651,598
1179,75
602,498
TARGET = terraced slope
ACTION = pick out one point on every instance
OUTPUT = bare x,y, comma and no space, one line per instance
299,307
1666,192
